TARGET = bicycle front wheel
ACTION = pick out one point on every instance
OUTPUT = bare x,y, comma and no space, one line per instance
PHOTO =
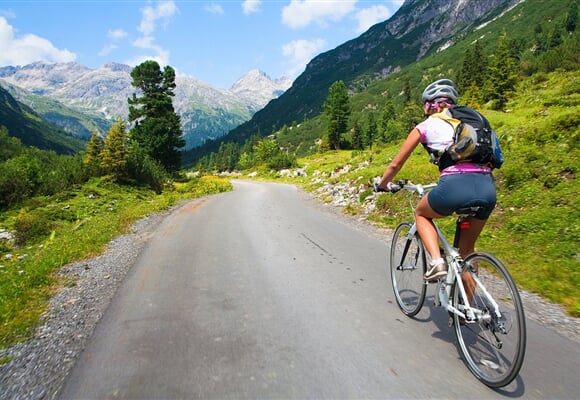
408,264
493,346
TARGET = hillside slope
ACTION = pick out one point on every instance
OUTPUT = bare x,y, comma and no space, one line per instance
22,122
418,28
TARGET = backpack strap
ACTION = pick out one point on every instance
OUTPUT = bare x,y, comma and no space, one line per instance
455,123
440,157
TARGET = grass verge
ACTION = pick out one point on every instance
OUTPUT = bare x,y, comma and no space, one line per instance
57,230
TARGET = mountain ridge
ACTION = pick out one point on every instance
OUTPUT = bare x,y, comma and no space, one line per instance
101,95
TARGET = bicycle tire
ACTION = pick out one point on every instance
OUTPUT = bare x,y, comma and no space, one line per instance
407,269
492,348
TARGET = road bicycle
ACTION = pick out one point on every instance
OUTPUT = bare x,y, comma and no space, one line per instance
488,319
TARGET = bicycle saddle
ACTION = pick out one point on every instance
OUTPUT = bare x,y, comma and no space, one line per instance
468,211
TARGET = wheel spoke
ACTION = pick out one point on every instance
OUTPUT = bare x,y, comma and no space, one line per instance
493,346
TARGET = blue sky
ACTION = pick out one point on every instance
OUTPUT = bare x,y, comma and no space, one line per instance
213,41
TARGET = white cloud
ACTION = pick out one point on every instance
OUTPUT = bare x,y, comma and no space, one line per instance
28,48
7,13
300,52
107,49
214,9
150,16
116,34
145,42
251,6
148,43
367,17
301,13
142,58
162,11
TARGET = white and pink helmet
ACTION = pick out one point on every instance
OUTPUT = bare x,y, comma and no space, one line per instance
441,89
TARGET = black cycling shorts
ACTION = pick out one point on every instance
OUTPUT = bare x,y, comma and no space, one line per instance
464,190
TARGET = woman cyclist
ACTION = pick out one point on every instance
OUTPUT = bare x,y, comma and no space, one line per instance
460,185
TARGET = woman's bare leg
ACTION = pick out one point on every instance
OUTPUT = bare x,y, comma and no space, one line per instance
469,236
423,217
467,241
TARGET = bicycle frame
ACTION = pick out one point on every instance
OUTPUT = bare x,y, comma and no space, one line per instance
454,269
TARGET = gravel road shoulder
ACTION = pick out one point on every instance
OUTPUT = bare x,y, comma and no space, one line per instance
39,366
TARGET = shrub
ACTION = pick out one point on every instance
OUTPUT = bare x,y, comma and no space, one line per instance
30,225
208,185
142,169
60,172
19,178
567,127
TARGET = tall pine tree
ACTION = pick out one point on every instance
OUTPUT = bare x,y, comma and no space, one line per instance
503,74
337,108
372,129
388,114
92,158
473,70
113,157
157,128
357,136
572,17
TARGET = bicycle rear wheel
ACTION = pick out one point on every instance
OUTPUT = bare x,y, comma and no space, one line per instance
408,264
492,347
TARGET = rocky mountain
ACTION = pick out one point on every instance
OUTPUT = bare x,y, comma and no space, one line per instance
80,99
258,87
419,28
80,123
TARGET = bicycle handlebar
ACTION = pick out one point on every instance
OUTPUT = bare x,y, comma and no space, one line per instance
404,184
419,188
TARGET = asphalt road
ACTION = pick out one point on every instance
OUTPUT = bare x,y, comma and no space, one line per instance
260,293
